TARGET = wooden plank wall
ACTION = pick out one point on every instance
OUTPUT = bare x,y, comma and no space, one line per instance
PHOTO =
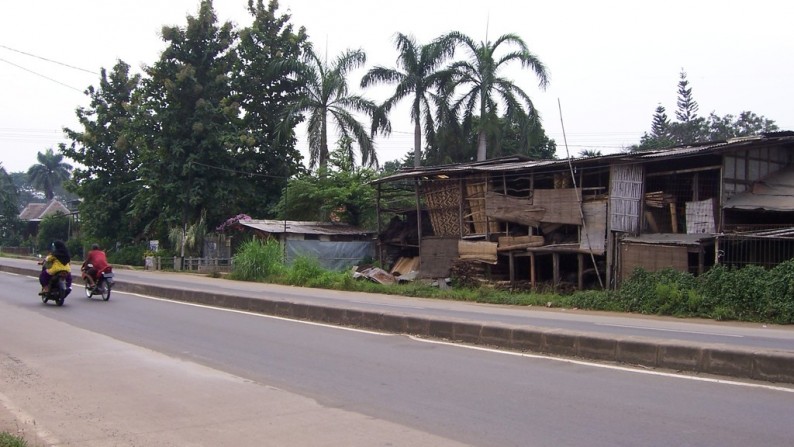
651,258
595,217
437,255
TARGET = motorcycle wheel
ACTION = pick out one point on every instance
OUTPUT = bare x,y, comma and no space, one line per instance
44,298
60,298
104,287
88,291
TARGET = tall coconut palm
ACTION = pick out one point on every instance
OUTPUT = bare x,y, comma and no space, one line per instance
420,77
485,87
325,97
49,172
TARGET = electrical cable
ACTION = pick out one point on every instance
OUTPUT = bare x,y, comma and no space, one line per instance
579,197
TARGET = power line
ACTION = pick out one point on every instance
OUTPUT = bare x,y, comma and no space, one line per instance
49,60
39,74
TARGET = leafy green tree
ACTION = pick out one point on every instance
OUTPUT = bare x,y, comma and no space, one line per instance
9,209
485,87
729,126
106,149
56,226
327,100
523,138
190,127
419,76
50,171
342,193
590,153
268,58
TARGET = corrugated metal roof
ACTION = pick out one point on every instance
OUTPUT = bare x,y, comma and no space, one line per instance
669,239
303,227
773,193
511,164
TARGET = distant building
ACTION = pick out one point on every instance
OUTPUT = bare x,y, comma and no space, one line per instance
33,214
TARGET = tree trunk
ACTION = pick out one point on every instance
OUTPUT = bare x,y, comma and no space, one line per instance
417,144
481,149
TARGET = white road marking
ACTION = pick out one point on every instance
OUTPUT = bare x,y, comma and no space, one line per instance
668,330
612,367
495,351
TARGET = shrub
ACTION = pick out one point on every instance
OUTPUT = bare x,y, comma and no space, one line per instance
666,292
777,297
129,255
737,292
306,271
256,260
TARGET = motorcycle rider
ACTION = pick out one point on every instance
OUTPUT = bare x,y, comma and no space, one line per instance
95,262
58,260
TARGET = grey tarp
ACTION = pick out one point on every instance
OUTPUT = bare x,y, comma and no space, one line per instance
332,255
774,193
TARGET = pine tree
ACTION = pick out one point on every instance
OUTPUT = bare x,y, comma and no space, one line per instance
660,127
687,106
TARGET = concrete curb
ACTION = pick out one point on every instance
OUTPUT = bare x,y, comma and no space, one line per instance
716,359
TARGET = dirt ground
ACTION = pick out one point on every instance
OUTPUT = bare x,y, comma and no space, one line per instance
9,423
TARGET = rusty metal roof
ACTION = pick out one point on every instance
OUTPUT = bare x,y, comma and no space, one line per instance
303,227
519,163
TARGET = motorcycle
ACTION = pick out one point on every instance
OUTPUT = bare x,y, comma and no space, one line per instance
58,290
101,285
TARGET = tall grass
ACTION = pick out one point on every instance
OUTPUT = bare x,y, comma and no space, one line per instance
257,261
748,294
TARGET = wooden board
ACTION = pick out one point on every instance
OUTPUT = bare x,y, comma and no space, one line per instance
507,243
561,205
437,255
595,216
513,209
481,251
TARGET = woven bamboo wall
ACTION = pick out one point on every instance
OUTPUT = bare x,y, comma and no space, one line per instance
625,198
443,205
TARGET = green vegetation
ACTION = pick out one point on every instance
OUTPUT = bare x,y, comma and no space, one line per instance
9,440
745,294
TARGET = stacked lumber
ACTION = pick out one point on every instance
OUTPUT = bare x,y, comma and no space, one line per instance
658,199
507,243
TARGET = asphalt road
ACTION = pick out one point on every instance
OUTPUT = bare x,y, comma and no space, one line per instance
135,370
693,330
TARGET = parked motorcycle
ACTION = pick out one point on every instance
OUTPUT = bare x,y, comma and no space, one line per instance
58,290
102,284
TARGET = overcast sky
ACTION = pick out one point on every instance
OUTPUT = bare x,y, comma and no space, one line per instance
611,62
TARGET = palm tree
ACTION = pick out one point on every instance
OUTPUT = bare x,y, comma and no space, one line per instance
49,172
324,94
485,87
420,76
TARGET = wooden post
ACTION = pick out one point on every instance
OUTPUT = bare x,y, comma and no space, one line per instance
581,271
555,261
532,269
673,218
418,217
377,221
511,257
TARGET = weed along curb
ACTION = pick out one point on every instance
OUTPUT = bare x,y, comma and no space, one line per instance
717,359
